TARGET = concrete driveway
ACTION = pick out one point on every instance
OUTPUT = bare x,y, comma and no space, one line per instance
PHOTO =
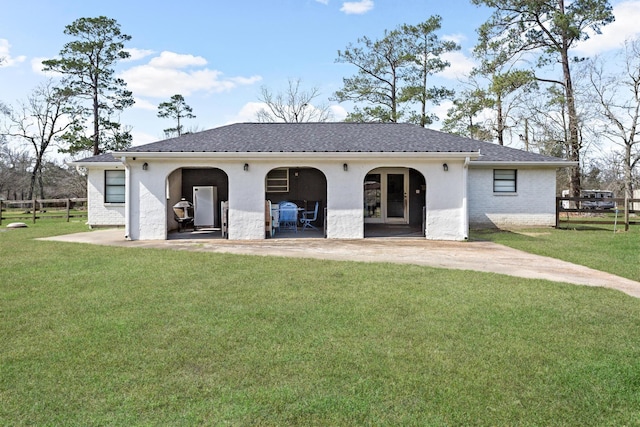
476,256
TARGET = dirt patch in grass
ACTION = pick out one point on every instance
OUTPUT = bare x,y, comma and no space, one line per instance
532,234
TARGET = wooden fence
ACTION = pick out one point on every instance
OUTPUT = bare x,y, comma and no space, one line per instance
11,210
625,212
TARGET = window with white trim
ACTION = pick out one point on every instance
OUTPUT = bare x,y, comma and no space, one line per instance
505,180
278,180
114,188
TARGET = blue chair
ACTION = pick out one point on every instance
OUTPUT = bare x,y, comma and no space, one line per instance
288,216
308,217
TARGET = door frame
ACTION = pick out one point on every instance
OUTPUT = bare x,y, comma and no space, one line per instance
384,218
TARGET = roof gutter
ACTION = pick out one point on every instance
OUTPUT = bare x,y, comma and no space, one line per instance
350,155
550,164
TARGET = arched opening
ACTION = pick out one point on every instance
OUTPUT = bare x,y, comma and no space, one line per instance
394,202
303,189
205,189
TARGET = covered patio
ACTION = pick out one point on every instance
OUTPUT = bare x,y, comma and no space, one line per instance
405,231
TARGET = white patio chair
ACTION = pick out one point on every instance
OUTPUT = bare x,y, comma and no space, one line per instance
275,217
308,217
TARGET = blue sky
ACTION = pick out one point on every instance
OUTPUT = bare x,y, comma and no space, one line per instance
218,54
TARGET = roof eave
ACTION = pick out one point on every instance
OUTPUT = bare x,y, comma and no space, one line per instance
351,155
80,163
502,163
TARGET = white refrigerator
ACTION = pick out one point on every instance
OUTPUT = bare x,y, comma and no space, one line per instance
204,202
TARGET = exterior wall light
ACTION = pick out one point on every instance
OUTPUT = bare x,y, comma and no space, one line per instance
145,166
345,167
246,167
445,167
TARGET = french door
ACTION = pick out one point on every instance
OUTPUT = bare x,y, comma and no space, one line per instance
385,196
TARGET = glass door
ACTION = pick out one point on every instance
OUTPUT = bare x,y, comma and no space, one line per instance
396,197
373,198
385,196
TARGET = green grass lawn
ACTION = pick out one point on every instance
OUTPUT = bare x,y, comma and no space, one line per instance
95,335
594,246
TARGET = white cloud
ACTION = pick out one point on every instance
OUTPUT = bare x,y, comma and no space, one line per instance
357,7
461,66
339,112
143,104
245,80
5,55
247,113
141,138
171,73
456,38
614,35
323,1
136,54
37,66
441,112
176,60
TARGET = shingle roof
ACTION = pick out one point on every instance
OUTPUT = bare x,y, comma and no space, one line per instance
106,157
333,137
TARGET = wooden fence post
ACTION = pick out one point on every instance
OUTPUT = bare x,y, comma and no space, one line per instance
68,208
33,210
0,211
626,213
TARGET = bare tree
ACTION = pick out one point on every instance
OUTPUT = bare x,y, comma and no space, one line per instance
294,105
617,98
41,121
5,177
15,166
61,181
606,172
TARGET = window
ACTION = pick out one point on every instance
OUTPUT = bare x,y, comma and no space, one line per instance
278,181
504,180
114,186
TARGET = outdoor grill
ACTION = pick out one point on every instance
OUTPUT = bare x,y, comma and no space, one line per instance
183,213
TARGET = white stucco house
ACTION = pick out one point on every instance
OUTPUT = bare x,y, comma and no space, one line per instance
359,173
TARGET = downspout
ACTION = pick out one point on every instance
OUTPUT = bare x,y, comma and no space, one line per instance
465,205
127,199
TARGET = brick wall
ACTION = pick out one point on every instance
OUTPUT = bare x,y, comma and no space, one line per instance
100,213
533,204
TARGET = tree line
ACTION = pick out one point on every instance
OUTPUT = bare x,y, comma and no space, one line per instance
526,87
78,114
